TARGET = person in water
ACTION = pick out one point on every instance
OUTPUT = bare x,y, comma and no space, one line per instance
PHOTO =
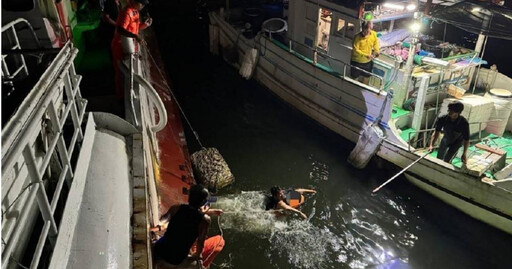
278,200
456,133
185,239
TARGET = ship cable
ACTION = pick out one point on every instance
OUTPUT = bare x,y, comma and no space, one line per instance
210,168
173,96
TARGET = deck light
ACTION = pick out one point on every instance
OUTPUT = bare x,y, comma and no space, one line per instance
415,27
411,7
394,6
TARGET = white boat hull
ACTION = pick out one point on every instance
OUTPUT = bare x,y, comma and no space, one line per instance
346,107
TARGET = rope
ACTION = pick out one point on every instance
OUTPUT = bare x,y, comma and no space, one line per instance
17,197
173,96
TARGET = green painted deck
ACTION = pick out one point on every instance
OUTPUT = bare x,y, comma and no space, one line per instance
398,112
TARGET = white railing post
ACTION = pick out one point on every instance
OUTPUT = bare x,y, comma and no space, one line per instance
42,198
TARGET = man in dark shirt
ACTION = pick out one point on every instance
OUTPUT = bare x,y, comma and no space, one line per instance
456,133
186,232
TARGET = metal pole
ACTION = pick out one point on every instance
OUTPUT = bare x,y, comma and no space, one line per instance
479,66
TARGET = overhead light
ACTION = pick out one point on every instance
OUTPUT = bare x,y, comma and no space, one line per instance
394,6
415,27
411,7
476,9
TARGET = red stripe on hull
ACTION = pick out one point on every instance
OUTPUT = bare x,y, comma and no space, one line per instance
174,160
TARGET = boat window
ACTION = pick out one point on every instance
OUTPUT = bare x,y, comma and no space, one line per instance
350,31
345,29
340,28
324,28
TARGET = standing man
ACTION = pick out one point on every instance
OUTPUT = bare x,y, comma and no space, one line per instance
456,133
128,24
187,230
109,11
364,49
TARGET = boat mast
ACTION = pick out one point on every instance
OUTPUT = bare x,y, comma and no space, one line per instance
409,66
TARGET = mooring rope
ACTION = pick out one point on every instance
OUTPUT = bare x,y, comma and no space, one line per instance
172,94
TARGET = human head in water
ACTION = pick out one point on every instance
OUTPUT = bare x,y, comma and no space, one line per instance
277,193
198,196
454,109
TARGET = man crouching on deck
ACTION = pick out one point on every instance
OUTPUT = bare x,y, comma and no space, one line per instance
188,224
456,134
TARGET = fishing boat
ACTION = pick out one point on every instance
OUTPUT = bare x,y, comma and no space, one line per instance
301,50
80,188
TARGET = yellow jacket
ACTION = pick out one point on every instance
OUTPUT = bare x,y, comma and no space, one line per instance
363,47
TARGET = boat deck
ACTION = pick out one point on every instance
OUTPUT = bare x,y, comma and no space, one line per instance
498,142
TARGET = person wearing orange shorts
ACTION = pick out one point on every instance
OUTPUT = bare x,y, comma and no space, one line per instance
185,238
128,24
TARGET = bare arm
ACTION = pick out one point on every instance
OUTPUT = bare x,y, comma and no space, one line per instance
305,191
283,205
146,24
433,140
203,231
464,157
210,211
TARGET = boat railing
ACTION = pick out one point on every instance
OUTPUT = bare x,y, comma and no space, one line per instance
376,81
9,32
412,136
39,154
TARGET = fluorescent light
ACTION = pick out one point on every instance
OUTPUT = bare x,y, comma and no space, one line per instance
476,9
394,6
411,7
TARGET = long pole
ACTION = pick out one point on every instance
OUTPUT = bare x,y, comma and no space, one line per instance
399,173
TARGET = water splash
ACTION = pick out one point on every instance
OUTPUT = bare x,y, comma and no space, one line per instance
245,212
344,236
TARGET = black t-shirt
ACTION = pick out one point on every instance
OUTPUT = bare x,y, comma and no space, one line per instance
182,232
111,9
453,130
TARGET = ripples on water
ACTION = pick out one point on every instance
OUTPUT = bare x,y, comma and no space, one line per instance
337,237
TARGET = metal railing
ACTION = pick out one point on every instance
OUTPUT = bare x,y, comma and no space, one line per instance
378,80
60,101
14,44
425,140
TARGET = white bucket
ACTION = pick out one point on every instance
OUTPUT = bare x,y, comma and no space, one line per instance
128,44
502,109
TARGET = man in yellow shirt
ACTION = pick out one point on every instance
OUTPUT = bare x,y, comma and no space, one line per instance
365,48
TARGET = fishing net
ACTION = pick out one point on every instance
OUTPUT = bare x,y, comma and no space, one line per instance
210,169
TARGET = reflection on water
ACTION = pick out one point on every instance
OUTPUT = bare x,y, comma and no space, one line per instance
344,236
266,142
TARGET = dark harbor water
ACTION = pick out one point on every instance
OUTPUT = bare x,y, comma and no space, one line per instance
267,142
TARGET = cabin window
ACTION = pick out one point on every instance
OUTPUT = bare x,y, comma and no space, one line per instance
350,31
324,28
340,28
345,29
